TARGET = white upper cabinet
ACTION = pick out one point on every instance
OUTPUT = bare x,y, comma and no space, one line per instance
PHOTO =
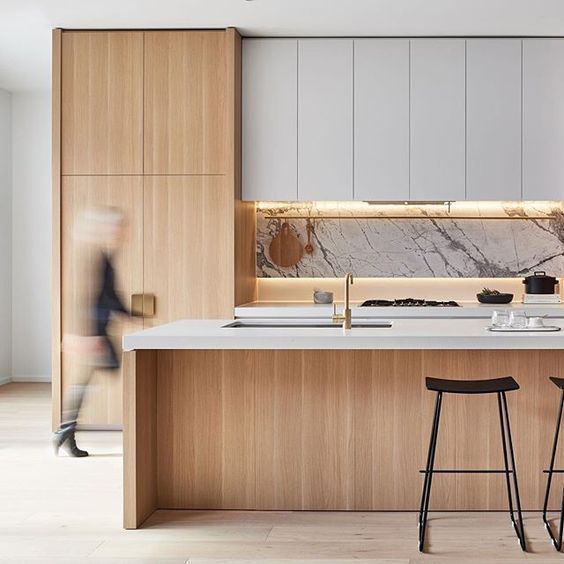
325,119
381,119
437,119
493,119
400,119
270,119
543,119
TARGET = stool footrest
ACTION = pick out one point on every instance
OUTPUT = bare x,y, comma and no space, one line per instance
465,471
555,471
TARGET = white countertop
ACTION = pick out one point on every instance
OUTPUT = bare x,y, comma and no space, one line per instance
311,310
404,334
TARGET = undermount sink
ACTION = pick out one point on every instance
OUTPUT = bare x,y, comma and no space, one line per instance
306,324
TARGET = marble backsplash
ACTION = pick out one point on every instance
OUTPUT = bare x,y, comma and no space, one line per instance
480,240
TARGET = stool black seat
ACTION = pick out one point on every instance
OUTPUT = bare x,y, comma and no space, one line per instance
498,386
493,386
558,382
556,540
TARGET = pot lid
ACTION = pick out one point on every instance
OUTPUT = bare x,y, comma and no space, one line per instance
540,275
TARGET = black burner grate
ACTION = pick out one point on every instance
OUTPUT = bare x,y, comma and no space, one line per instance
409,302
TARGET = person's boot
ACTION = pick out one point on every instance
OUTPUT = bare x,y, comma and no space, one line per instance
65,437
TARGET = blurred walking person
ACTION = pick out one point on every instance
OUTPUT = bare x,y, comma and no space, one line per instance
98,234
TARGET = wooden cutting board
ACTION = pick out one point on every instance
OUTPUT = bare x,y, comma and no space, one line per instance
286,249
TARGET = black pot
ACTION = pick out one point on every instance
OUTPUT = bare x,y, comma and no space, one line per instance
540,283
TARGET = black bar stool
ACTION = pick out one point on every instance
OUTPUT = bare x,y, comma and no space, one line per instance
496,386
557,542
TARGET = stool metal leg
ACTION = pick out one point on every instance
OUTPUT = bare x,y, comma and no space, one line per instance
557,542
508,447
426,493
505,459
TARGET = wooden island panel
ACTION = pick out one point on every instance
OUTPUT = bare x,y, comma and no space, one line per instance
339,430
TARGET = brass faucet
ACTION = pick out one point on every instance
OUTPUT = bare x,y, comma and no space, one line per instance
346,318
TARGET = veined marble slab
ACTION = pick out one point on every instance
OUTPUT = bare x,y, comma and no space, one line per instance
421,243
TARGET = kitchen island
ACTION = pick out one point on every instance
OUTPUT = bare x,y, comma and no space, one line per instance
313,418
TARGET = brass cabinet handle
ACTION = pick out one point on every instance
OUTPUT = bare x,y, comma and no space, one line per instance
149,305
142,305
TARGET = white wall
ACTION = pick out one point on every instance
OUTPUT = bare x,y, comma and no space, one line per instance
5,235
31,236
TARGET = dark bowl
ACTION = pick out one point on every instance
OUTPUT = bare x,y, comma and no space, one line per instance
494,298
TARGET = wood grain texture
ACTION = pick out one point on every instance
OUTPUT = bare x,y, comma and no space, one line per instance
185,102
327,431
199,241
216,404
56,228
139,437
245,213
188,242
279,422
345,430
102,102
245,253
79,193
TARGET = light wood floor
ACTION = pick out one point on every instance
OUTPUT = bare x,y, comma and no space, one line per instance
64,510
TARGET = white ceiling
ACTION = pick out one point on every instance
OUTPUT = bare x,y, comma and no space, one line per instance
25,24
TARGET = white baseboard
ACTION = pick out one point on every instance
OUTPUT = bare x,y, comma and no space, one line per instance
4,380
31,378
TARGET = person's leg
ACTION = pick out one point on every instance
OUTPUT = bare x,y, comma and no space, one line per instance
72,402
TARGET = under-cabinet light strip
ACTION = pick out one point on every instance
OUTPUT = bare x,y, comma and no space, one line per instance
474,217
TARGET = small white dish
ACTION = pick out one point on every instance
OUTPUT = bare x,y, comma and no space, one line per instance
321,297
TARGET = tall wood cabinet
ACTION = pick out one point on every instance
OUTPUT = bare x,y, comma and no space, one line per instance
149,121
101,111
185,105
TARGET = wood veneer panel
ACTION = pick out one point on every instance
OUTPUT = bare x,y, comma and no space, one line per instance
387,423
56,228
185,102
279,427
102,102
327,431
238,409
139,437
190,430
245,253
188,247
346,429
245,213
103,404
206,421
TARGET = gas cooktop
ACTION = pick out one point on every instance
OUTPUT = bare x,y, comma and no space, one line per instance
409,302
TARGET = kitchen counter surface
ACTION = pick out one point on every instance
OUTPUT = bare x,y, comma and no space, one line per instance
311,310
404,334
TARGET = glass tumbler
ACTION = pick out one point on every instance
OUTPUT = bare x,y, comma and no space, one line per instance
500,318
518,319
